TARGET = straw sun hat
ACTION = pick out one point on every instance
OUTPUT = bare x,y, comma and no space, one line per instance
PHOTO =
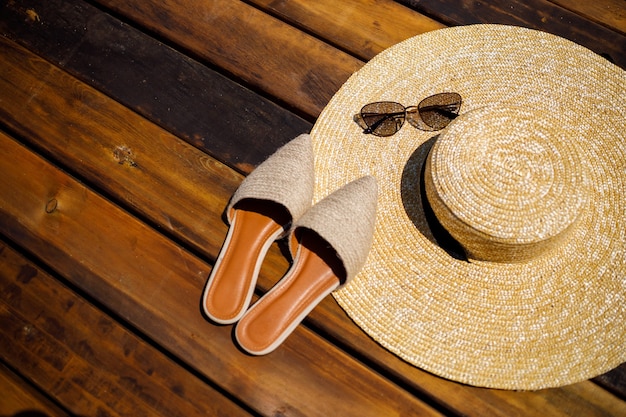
524,286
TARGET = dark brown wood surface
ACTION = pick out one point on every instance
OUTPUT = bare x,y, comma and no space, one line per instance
19,396
124,129
596,28
241,127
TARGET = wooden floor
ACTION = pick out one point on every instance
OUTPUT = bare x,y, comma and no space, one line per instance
125,126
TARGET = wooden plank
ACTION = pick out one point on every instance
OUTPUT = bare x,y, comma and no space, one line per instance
264,52
61,133
115,149
156,284
362,27
610,13
19,398
46,361
17,335
536,14
100,364
213,113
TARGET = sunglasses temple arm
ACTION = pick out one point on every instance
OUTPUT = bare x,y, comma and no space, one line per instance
441,110
386,116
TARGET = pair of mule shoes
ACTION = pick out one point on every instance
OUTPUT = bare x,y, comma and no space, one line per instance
329,243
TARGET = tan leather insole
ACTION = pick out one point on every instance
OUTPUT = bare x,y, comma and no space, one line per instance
277,313
232,284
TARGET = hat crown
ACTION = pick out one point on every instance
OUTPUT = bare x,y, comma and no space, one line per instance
507,183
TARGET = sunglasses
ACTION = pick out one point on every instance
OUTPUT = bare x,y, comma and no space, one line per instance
385,118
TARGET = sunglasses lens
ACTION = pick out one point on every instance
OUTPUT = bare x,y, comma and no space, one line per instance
438,110
383,118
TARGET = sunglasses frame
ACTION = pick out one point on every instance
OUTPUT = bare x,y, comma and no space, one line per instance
441,113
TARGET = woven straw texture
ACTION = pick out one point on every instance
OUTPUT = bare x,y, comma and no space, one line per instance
542,301
346,220
286,178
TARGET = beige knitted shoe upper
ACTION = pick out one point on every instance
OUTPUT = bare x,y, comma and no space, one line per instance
286,177
346,220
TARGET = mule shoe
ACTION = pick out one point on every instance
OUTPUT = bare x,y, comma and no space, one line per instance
329,245
262,209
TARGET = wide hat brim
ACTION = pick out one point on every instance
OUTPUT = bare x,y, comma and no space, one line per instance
550,321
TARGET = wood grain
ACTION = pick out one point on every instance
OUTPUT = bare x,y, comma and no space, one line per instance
363,28
155,285
262,51
19,398
535,14
115,149
99,360
211,112
610,13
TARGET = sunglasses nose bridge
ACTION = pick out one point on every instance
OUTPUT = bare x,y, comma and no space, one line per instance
414,118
